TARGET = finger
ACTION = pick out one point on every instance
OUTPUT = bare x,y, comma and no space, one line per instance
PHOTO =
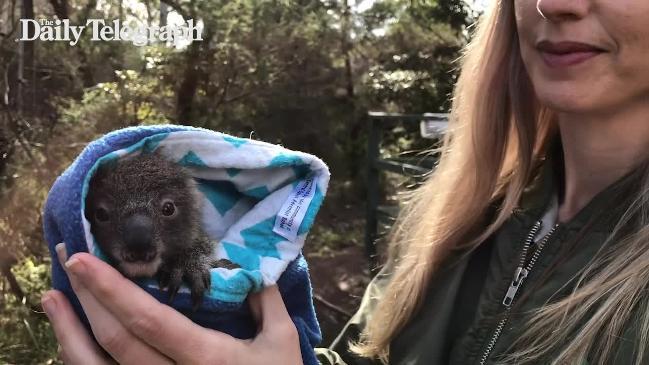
61,254
122,345
62,355
155,323
112,335
255,309
270,311
77,347
65,358
277,329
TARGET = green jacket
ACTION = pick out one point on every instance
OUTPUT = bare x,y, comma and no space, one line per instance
462,308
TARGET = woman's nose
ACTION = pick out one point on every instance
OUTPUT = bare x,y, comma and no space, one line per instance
563,10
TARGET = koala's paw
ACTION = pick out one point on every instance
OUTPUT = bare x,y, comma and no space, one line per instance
171,278
226,264
198,277
195,272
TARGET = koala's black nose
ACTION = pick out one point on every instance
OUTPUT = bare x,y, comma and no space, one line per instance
138,235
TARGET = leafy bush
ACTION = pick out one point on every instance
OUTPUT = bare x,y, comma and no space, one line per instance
25,333
133,99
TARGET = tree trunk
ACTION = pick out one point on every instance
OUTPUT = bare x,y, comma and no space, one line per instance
192,76
121,11
61,11
346,48
60,8
355,152
25,61
6,261
189,85
164,11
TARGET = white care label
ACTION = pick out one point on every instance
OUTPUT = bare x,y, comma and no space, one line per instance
292,213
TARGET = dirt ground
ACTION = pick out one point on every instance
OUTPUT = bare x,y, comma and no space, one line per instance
338,285
338,266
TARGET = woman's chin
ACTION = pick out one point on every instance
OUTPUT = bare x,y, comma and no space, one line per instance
569,103
571,98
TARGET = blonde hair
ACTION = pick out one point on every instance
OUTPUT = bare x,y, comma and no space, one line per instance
498,134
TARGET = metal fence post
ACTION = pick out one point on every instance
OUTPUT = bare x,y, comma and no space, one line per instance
371,224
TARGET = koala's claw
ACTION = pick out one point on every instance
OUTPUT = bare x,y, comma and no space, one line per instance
199,282
226,264
171,280
196,273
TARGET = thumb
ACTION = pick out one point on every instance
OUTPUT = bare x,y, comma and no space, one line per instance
268,309
277,331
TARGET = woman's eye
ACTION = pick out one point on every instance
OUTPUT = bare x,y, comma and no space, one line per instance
168,209
101,214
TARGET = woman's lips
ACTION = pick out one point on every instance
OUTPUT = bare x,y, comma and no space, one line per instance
556,60
566,53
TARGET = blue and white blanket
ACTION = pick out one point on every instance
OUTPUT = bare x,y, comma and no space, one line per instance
260,201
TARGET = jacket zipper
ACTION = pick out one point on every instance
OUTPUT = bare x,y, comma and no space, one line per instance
521,272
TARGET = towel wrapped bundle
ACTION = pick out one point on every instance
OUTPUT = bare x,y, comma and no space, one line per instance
260,200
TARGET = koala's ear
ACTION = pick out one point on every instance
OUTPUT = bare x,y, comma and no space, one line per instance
101,172
107,165
147,151
197,196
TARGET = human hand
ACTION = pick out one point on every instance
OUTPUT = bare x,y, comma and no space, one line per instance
134,328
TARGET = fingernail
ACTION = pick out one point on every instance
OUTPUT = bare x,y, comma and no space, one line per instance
61,252
48,304
75,265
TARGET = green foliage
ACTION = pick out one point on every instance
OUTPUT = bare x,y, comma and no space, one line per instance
132,99
415,69
33,275
25,334
302,73
299,73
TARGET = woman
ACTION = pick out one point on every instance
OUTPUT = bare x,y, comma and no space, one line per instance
528,244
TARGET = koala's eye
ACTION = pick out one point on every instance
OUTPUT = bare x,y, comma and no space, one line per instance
168,209
101,215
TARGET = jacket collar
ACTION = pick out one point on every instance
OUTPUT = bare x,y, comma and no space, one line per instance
602,212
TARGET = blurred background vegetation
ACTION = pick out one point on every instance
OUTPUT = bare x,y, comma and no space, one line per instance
302,73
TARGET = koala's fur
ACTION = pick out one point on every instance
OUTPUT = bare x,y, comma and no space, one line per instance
140,186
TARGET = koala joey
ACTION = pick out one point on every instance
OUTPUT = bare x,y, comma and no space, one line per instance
144,213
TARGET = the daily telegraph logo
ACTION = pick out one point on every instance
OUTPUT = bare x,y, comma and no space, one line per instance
102,30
